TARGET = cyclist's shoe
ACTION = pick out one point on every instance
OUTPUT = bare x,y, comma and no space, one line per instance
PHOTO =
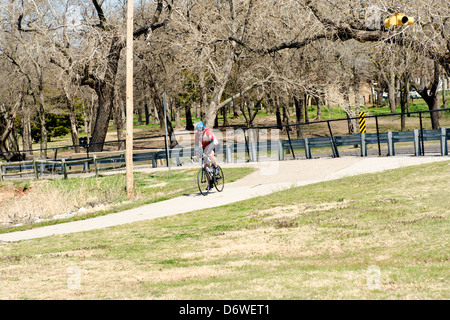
217,174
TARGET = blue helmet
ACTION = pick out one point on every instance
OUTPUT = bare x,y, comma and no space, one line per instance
199,126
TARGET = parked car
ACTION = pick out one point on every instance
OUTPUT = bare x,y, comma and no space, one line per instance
414,94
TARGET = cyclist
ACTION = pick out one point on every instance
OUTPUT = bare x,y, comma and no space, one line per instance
209,143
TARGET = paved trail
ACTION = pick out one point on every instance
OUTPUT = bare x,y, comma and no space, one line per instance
270,177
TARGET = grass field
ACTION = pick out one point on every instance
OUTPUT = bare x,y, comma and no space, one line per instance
374,236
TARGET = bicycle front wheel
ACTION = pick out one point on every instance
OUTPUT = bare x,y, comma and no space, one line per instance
203,182
219,180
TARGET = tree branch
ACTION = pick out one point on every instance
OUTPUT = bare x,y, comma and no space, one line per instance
100,13
155,25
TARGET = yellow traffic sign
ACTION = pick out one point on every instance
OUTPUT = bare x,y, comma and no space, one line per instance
362,122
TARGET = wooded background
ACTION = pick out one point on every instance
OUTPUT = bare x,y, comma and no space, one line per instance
66,58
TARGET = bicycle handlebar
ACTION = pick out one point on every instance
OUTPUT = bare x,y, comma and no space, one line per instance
205,157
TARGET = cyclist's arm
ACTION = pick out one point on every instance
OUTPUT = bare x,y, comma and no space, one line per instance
207,150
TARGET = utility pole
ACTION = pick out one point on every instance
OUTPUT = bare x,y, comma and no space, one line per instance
129,102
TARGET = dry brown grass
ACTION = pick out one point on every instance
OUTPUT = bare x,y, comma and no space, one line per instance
397,223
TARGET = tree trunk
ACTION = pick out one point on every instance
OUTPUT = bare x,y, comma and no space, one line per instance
105,93
278,115
403,104
177,117
189,124
391,88
6,128
319,111
407,93
44,132
306,105
147,114
100,129
398,91
73,127
300,118
119,122
26,130
155,113
225,116
444,90
140,111
432,97
235,110
348,111
351,128
221,81
379,96
286,116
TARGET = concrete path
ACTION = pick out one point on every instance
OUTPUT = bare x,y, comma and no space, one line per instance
270,177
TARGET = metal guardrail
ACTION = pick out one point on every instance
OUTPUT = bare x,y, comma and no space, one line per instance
84,142
251,151
364,139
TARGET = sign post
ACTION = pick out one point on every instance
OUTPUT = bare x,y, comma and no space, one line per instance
362,122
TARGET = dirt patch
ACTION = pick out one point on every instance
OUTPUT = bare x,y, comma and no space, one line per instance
6,194
297,210
11,192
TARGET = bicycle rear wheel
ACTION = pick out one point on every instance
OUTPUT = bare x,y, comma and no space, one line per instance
219,180
203,182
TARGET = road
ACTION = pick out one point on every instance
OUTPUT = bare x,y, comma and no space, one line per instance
268,178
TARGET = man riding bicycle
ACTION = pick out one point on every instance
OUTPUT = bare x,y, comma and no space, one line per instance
209,142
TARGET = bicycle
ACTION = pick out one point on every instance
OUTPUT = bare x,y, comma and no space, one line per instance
207,178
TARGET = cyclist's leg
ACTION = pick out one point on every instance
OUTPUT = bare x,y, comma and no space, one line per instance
213,157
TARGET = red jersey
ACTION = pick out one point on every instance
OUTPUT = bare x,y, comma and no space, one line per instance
207,137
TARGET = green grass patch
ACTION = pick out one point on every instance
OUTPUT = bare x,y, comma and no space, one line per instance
312,242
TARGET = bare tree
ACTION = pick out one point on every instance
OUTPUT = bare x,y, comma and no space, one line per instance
91,52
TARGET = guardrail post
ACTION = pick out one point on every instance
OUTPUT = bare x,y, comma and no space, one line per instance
154,163
363,145
253,152
280,150
307,149
94,157
391,150
64,168
417,149
444,148
229,153
378,136
1,172
421,134
35,167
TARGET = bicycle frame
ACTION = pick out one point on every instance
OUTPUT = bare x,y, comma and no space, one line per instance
210,175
